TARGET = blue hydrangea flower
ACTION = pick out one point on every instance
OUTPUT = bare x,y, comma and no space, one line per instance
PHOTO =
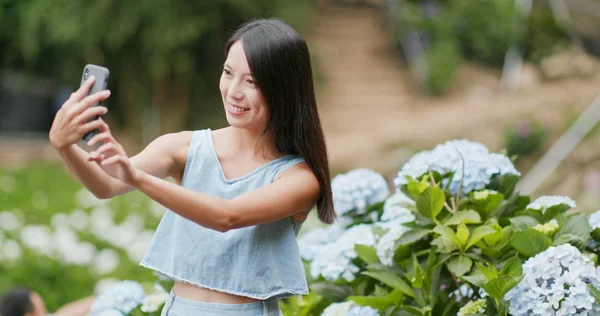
595,220
479,165
362,311
545,202
555,283
122,297
349,309
333,261
358,189
311,242
395,213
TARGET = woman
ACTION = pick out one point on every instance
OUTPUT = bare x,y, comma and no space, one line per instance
242,192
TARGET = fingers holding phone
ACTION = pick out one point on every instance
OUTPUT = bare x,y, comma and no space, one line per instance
78,117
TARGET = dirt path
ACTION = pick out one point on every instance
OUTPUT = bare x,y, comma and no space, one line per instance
373,117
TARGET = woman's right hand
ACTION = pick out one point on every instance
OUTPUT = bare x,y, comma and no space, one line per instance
70,123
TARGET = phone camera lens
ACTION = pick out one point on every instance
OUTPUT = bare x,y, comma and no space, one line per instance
86,74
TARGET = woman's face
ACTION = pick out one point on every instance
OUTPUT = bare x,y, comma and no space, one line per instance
243,101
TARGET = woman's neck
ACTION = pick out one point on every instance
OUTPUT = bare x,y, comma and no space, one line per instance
252,143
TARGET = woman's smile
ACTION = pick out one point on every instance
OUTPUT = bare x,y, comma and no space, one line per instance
236,110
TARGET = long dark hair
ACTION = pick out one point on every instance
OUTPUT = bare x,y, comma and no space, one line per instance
279,60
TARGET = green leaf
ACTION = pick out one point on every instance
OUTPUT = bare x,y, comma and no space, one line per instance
412,236
574,240
596,234
498,287
366,253
489,203
508,183
530,242
464,217
512,267
462,234
523,222
578,225
492,239
537,214
416,188
448,233
379,302
402,252
595,292
332,292
415,273
391,279
444,245
478,234
555,210
460,265
431,202
476,278
488,271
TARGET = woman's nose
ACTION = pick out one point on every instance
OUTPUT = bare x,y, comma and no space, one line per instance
235,91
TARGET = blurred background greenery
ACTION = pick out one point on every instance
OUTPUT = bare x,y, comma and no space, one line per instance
381,99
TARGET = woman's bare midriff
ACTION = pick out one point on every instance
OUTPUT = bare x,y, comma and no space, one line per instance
191,292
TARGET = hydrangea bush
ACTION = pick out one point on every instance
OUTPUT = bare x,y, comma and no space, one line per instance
454,238
73,243
129,298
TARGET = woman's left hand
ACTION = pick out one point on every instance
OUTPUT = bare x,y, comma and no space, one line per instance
113,159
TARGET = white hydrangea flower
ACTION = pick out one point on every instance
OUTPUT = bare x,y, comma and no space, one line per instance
472,307
101,219
124,296
349,309
311,242
79,220
398,205
394,215
37,238
465,290
86,199
385,247
479,165
595,220
9,221
152,302
104,284
334,260
65,240
83,254
555,283
137,249
106,261
337,309
548,228
358,189
59,220
11,250
362,311
546,201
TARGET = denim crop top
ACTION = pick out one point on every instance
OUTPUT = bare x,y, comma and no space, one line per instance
259,261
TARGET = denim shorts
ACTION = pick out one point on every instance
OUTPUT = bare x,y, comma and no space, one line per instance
179,306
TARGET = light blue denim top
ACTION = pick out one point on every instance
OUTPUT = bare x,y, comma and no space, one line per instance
259,261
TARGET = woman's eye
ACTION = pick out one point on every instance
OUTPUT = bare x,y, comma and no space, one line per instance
250,81
227,72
